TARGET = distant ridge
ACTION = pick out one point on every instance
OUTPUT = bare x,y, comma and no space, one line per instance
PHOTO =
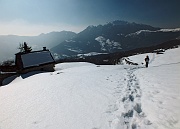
10,43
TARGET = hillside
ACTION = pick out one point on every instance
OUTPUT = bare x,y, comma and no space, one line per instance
113,58
84,95
10,43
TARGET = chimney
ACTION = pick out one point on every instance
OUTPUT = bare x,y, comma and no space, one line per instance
44,49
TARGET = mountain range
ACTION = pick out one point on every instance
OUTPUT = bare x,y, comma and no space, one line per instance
116,36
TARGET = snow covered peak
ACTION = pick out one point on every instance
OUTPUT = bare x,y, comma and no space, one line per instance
170,30
90,54
139,32
149,31
107,44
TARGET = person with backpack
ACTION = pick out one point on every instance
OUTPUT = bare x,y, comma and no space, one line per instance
147,60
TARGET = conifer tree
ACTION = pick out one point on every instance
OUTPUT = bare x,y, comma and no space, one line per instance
24,47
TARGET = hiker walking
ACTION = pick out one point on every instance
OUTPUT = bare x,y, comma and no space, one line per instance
147,61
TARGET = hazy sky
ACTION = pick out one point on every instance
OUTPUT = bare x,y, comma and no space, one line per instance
32,17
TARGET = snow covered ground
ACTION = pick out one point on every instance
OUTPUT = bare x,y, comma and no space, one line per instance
88,96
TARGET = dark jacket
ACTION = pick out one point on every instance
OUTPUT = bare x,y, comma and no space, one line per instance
147,59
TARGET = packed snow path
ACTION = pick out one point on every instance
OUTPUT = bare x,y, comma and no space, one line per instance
132,116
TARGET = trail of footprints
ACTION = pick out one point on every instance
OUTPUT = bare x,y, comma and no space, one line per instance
132,100
133,116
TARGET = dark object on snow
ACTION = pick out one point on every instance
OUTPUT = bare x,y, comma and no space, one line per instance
147,61
34,61
130,63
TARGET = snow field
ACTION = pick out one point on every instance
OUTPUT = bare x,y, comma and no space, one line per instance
74,97
161,89
87,96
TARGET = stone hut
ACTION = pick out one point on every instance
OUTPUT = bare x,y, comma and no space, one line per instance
28,62
34,61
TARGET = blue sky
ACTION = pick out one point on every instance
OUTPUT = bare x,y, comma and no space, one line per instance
32,17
